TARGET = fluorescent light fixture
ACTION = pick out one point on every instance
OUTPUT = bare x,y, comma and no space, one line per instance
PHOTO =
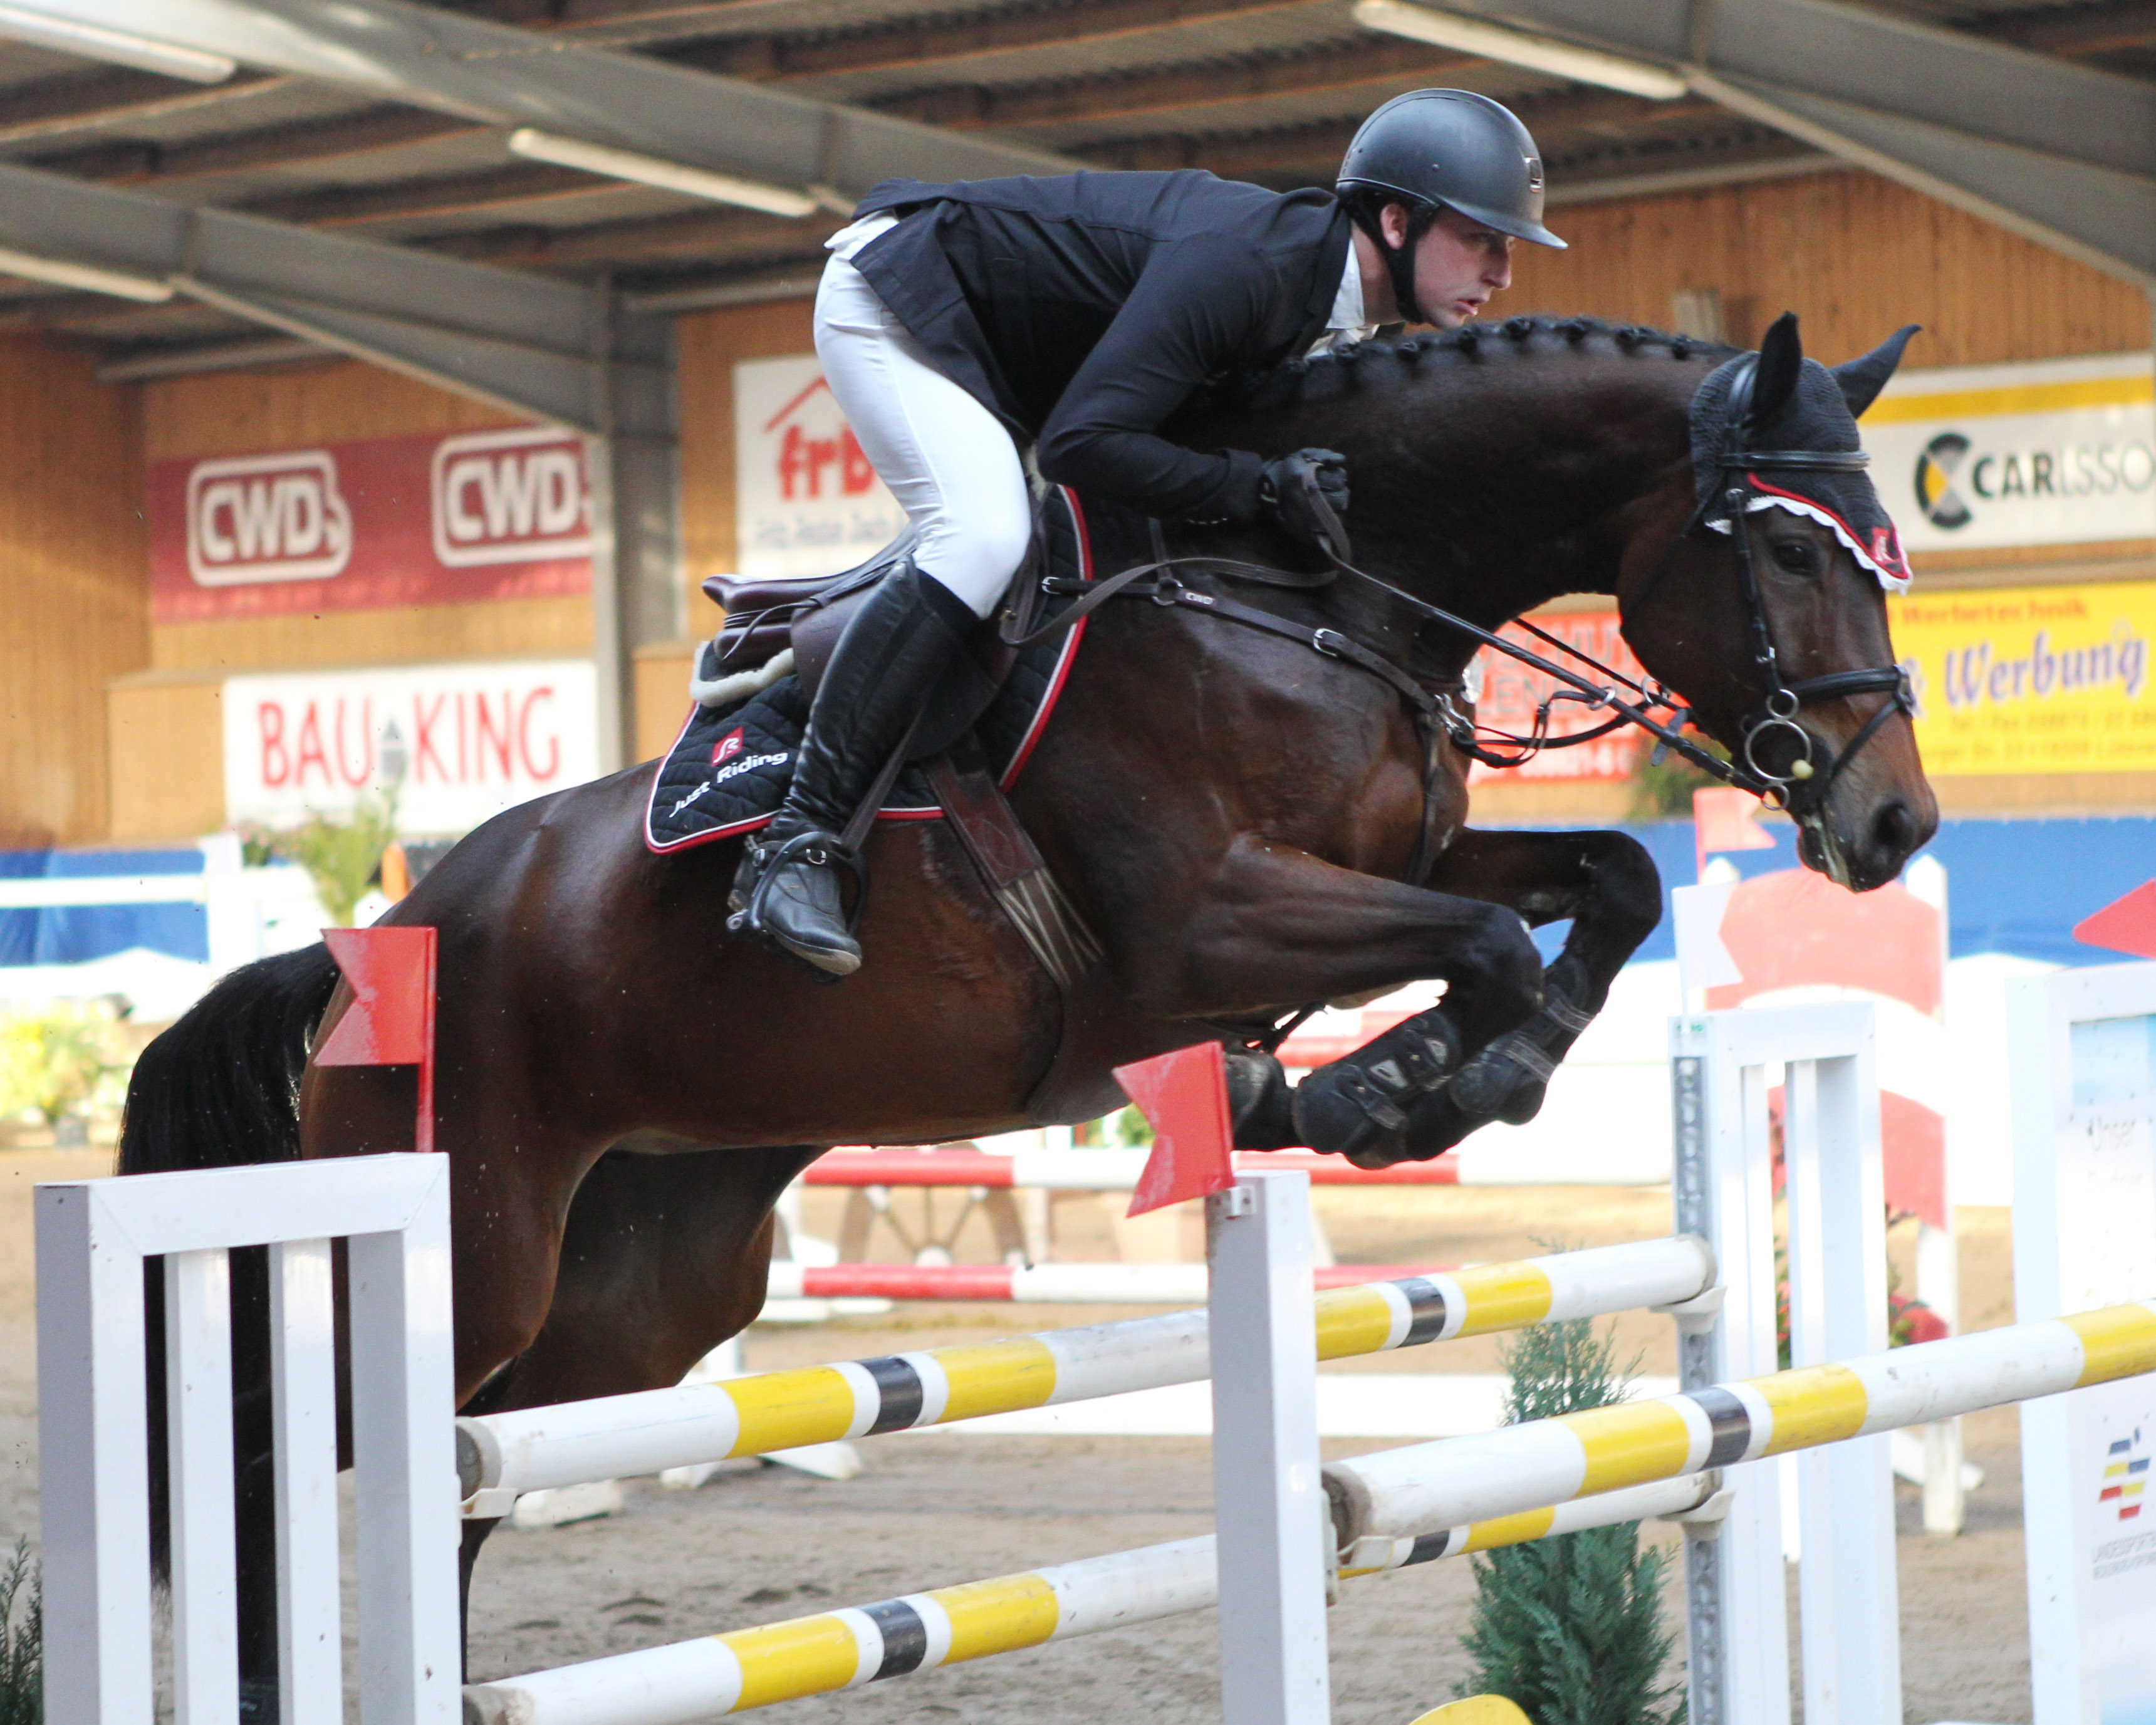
670,175
62,273
1539,53
124,47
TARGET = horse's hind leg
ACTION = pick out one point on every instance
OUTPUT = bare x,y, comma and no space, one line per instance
1608,886
664,1257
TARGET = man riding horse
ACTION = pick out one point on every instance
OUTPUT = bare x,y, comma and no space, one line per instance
1076,315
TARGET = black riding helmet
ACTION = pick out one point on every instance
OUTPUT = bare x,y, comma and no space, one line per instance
1432,149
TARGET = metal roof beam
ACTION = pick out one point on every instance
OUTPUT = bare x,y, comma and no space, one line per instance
535,347
2083,29
905,45
79,101
2063,153
497,74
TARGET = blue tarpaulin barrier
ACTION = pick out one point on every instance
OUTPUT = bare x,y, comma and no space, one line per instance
73,935
2014,886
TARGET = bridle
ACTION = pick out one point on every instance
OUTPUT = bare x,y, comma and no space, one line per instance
1800,790
1803,788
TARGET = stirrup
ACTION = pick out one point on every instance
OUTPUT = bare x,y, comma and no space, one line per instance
818,850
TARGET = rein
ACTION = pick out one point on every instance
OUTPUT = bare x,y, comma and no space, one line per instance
1434,704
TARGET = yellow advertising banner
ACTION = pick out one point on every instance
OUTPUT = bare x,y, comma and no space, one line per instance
2031,679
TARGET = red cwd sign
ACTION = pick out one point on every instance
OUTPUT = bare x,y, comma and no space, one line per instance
401,521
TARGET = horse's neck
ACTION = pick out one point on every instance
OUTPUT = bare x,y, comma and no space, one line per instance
1490,486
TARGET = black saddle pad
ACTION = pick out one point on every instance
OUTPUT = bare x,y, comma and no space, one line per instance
729,769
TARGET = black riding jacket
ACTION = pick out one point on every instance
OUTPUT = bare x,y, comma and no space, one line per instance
1084,309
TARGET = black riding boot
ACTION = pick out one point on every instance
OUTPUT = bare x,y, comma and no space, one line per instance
787,890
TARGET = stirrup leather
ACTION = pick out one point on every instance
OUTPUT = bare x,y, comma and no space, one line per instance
816,849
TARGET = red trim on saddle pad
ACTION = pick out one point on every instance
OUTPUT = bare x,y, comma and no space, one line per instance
1057,678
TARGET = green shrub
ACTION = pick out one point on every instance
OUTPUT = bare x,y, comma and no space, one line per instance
1571,1628
1661,790
63,1062
21,1645
342,856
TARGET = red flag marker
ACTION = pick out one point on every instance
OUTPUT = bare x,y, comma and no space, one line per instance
2125,925
390,1020
1185,1096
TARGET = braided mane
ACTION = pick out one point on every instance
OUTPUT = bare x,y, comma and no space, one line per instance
1321,375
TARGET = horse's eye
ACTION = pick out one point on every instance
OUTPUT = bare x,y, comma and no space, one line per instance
1799,556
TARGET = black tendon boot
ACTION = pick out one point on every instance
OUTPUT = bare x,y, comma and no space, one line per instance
787,890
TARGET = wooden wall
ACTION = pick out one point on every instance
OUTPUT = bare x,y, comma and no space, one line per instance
231,413
710,343
1853,255
74,583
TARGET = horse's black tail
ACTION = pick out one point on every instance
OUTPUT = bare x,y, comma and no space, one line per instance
221,1089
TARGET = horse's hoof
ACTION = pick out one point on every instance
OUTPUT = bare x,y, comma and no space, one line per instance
1260,1101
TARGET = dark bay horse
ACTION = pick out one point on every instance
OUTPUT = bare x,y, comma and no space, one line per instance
1234,814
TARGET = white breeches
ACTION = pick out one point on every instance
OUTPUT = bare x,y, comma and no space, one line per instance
947,458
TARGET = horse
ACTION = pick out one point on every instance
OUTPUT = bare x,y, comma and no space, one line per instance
1251,819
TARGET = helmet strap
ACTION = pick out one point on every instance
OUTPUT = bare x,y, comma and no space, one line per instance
1368,214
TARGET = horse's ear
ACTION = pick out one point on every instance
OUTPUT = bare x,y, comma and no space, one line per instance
1781,358
1861,379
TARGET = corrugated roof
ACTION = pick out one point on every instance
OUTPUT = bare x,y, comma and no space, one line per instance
1263,88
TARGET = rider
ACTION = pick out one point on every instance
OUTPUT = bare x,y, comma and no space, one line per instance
958,323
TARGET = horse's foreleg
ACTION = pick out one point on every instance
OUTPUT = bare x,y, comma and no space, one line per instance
1608,886
664,1256
1281,926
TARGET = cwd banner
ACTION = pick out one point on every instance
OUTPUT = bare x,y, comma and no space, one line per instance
388,521
2054,452
807,501
459,743
2031,679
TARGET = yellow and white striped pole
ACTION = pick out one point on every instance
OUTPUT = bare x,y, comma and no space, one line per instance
742,1669
501,1454
1385,1503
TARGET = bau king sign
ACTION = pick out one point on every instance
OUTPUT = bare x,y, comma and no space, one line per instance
389,521
457,742
2057,452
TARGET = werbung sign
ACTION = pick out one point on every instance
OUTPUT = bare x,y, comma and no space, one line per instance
459,742
2059,452
807,501
2031,679
426,520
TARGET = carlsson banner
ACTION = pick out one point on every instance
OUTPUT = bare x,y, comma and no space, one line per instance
2056,452
427,520
2031,679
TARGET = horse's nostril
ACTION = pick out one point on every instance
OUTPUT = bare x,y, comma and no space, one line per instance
1894,828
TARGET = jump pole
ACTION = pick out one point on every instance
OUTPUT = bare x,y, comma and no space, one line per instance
1380,1502
1042,1284
742,1669
500,1456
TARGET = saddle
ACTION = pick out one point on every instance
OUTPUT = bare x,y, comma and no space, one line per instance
803,615
976,731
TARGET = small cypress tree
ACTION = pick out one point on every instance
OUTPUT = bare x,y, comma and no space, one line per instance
1570,1629
22,1654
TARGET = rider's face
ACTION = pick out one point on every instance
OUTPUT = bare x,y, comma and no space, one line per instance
1460,264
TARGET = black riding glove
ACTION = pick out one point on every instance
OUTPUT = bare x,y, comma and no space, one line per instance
1284,493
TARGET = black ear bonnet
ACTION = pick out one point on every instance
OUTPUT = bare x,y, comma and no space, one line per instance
1778,400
